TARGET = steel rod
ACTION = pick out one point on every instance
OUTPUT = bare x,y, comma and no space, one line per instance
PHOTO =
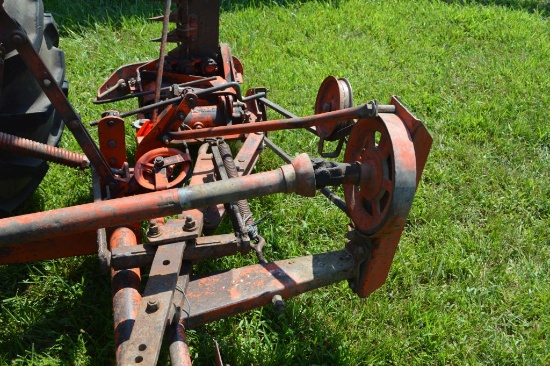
20,145
160,65
329,118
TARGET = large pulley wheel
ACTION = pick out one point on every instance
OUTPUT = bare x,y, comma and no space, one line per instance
162,168
333,95
383,147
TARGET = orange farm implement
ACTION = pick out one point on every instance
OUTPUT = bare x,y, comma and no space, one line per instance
162,211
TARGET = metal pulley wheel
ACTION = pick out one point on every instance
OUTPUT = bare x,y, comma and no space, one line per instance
162,168
334,95
383,147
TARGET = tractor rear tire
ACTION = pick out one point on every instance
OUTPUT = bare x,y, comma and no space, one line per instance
25,111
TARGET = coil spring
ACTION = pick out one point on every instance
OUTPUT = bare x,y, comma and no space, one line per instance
19,145
232,172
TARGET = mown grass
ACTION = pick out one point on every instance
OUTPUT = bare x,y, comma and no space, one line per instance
469,283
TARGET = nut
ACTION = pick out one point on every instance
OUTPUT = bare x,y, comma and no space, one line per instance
190,224
152,306
154,230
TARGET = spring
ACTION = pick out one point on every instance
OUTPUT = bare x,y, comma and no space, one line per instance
231,169
35,149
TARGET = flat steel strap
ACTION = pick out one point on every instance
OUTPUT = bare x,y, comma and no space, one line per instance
145,341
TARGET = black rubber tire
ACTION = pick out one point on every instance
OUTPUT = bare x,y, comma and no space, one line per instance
25,110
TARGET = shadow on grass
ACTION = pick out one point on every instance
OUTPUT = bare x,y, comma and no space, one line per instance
296,337
74,15
532,6
76,312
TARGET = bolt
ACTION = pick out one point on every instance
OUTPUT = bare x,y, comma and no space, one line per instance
159,162
113,162
152,306
111,144
278,303
111,122
17,40
181,116
190,224
166,139
46,82
73,124
154,230
191,101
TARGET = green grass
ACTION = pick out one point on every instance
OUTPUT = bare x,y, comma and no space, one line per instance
469,283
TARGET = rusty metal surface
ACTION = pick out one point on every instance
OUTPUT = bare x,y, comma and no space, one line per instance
334,94
422,140
162,168
238,290
162,53
388,181
144,344
126,286
112,140
60,246
385,155
179,350
187,228
121,211
248,154
205,247
379,207
54,154
329,118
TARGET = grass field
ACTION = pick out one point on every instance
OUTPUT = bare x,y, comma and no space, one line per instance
470,281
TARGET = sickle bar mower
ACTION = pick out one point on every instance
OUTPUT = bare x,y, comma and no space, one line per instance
190,104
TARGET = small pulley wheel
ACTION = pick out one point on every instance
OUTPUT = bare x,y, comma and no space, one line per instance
162,168
334,95
383,147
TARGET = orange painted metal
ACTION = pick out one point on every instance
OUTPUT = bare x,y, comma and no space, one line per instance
421,138
221,295
126,286
328,118
173,169
379,206
121,211
112,140
386,153
389,166
59,246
